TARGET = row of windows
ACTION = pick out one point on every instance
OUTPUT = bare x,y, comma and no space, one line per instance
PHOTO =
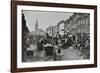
83,30
83,21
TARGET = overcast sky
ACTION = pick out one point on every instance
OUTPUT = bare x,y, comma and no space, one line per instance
44,19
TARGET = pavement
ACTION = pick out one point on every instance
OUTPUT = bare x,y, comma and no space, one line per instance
71,54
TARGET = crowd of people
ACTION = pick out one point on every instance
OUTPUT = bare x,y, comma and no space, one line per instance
53,45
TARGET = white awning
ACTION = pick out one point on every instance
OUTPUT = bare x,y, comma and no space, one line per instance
31,48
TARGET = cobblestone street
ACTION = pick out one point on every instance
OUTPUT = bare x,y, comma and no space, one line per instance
71,54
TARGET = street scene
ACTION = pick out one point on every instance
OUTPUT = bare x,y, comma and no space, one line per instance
55,36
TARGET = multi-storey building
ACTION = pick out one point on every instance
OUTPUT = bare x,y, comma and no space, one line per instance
60,27
78,23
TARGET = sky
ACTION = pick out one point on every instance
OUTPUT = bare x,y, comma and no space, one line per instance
44,18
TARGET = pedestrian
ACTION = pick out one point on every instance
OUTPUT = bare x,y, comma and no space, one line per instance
55,55
59,53
39,45
55,52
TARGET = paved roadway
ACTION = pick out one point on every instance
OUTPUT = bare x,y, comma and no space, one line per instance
71,54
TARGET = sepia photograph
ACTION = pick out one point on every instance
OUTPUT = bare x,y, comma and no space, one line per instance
55,36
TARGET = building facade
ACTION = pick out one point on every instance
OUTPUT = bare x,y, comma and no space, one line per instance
60,27
52,30
78,23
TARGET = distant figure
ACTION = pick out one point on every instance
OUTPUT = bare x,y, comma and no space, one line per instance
69,42
65,43
40,45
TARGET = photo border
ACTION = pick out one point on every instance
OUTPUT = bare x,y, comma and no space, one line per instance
46,4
